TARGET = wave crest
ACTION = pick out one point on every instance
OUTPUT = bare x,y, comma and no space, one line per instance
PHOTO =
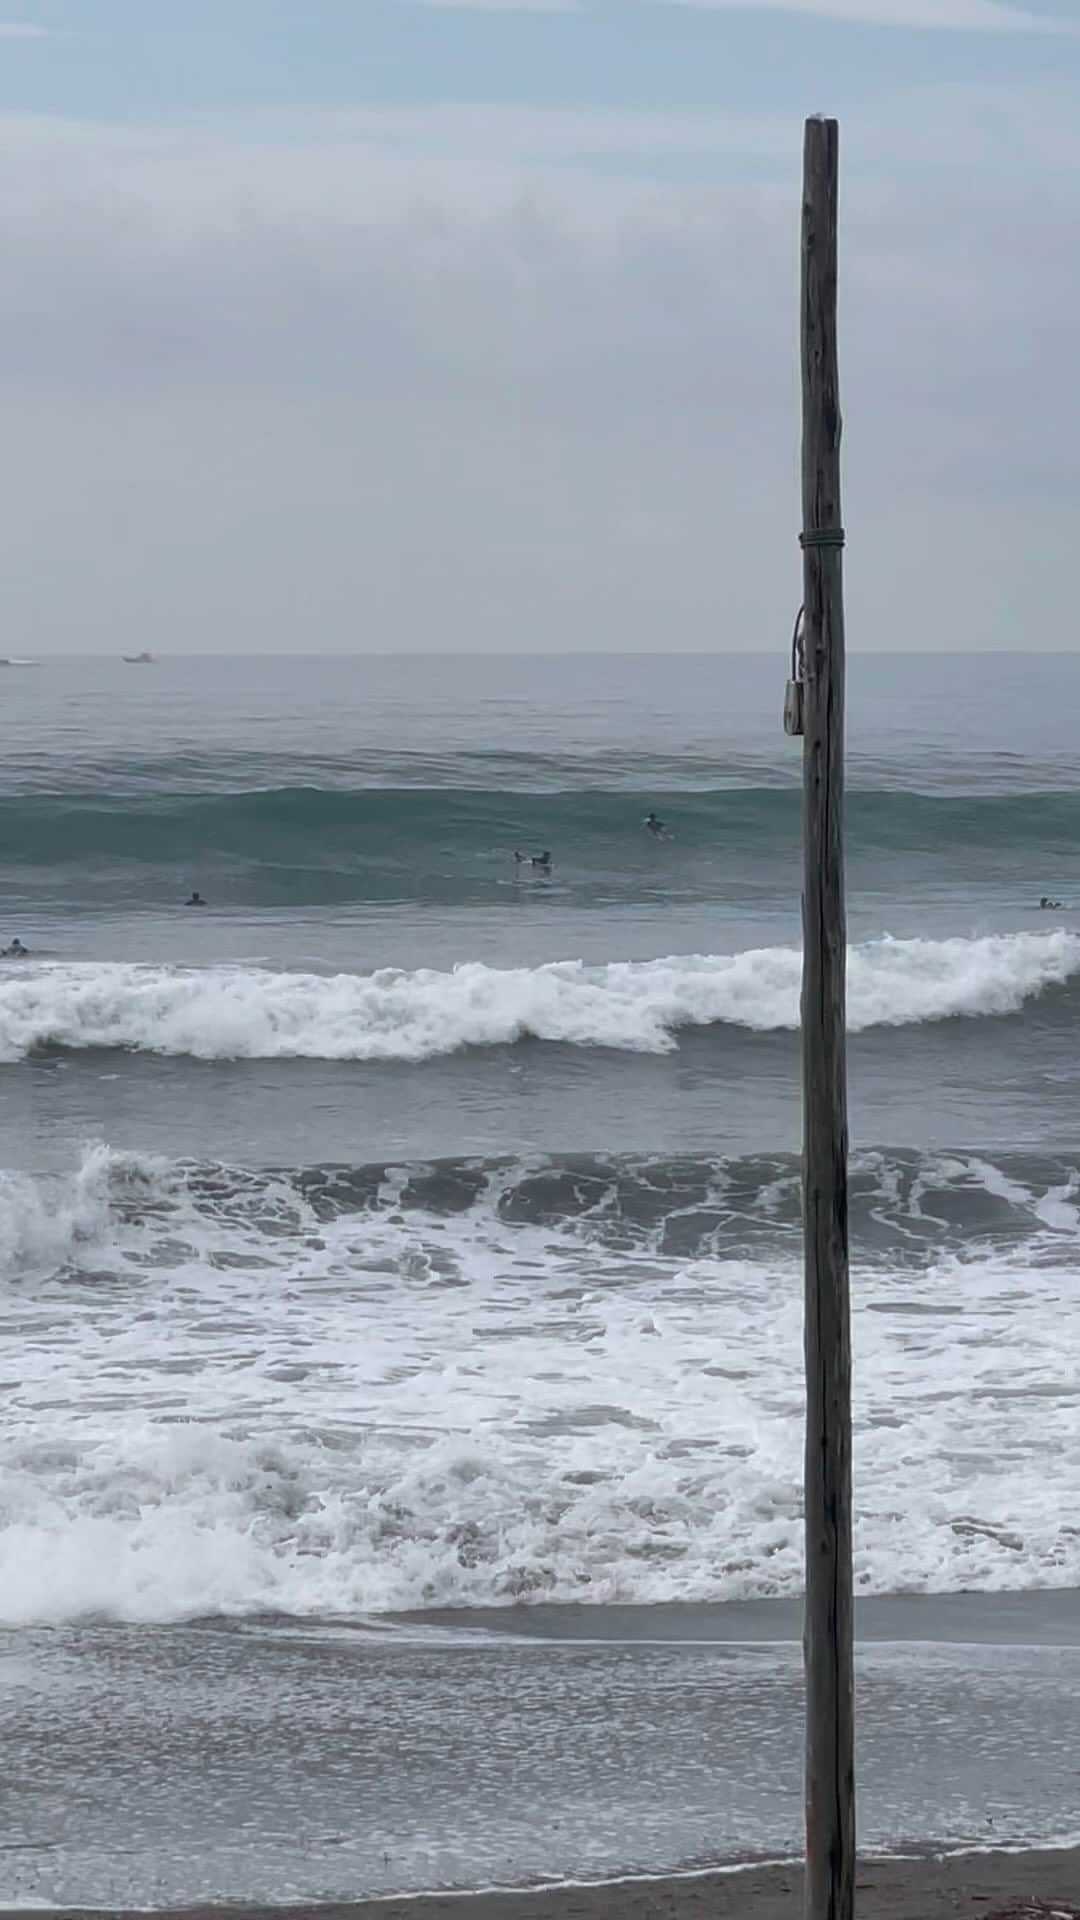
641,1006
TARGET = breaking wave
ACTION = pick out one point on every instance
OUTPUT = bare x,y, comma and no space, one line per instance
237,1013
342,1392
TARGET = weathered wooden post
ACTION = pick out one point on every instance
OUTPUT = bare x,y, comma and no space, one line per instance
830,1758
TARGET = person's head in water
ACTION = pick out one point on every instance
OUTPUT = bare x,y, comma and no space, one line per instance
196,899
543,859
16,946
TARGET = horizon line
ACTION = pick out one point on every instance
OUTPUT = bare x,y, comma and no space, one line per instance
584,653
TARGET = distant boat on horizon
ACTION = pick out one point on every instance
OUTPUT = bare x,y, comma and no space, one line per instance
138,659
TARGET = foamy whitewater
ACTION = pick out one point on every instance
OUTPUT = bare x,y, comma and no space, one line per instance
245,1396
408,1230
239,1014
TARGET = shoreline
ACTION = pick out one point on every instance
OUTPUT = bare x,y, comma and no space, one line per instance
298,1768
1021,1617
949,1886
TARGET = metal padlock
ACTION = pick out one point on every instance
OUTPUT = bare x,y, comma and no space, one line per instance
793,708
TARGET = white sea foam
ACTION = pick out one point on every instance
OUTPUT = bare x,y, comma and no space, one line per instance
399,1410
246,1013
47,1224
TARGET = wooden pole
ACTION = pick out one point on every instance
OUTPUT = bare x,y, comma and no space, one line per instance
830,1761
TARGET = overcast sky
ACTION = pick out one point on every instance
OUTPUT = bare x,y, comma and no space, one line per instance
471,324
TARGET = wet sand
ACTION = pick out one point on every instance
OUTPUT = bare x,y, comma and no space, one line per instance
989,1885
286,1764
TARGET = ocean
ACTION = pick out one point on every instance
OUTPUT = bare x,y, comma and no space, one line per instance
401,1266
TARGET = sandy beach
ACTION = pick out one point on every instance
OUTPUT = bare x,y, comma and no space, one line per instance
989,1885
302,1767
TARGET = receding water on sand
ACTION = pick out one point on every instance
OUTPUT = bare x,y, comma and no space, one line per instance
273,1762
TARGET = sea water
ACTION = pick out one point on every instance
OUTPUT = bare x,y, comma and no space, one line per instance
412,1228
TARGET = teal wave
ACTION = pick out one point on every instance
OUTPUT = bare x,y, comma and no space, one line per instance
309,846
319,826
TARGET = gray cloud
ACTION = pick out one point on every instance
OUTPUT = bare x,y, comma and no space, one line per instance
470,377
502,6
930,16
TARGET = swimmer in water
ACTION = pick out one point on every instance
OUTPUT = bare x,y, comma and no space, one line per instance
541,861
655,826
1051,906
195,901
16,951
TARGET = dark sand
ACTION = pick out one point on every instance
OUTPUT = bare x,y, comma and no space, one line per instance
989,1885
